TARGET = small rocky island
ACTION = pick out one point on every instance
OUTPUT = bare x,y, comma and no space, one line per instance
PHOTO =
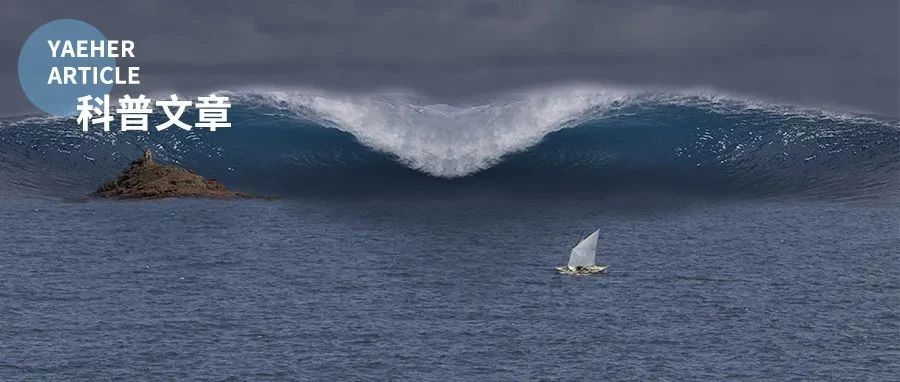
146,179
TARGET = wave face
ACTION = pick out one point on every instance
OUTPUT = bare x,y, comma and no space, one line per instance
575,139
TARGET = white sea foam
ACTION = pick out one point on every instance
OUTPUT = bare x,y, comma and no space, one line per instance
445,140
453,141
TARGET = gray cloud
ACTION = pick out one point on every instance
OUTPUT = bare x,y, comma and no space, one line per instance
836,53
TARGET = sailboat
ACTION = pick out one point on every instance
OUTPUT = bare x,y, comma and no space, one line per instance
583,259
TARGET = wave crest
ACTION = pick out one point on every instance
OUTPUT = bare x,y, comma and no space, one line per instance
606,139
454,141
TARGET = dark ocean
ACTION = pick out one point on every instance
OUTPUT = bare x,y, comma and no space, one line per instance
414,241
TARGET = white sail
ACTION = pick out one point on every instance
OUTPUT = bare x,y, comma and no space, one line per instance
585,253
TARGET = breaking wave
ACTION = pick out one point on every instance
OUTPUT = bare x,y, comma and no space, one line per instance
575,138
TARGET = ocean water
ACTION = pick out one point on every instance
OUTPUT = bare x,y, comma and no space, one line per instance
746,241
447,289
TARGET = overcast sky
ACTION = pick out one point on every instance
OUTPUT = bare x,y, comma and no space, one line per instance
827,52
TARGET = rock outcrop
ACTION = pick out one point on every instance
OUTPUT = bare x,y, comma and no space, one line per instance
146,179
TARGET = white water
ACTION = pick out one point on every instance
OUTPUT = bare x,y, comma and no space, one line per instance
445,140
453,141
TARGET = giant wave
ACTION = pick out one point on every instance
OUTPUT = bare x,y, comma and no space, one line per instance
589,139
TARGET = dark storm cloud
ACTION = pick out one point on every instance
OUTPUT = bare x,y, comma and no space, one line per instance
841,53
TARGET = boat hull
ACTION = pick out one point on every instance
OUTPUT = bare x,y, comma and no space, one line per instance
589,270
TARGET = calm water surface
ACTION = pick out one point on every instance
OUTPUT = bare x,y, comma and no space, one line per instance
448,289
